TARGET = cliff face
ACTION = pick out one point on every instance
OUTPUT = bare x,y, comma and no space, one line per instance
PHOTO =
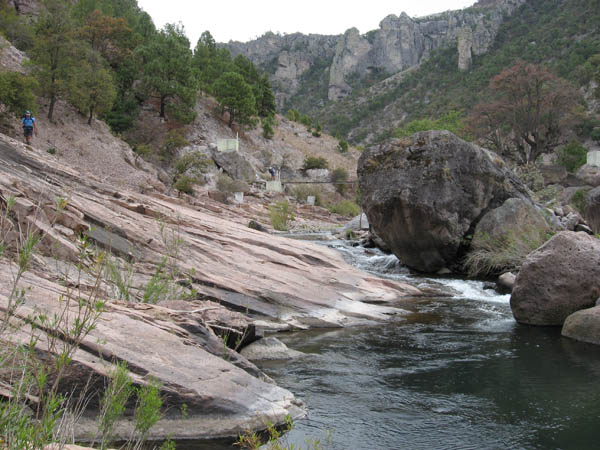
399,43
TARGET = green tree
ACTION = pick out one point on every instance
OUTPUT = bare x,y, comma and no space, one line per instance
267,125
265,99
167,65
52,53
92,88
235,96
17,91
342,146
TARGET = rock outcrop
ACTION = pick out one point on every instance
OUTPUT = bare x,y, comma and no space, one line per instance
558,279
592,209
399,43
212,256
424,195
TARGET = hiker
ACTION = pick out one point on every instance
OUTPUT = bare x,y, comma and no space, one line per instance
272,172
29,126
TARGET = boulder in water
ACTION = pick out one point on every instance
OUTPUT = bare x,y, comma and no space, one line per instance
583,326
424,195
558,279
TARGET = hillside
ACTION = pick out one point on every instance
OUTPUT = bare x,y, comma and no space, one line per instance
560,34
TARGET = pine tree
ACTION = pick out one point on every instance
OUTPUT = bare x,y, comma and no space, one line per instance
167,65
235,96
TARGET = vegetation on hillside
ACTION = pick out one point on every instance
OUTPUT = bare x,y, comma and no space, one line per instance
560,35
107,58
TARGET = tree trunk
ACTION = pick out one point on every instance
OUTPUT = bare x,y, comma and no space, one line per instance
162,106
91,115
51,107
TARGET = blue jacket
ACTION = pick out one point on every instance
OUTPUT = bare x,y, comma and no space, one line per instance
28,121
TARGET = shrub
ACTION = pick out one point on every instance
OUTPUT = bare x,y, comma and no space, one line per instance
267,126
315,162
226,184
340,175
595,135
345,208
572,156
342,146
508,252
281,214
194,161
185,184
17,91
579,200
172,142
302,192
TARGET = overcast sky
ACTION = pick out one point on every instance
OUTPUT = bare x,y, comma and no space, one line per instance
244,20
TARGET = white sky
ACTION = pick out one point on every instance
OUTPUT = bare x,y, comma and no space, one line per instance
244,20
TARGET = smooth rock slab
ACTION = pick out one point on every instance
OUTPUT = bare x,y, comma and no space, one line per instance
583,326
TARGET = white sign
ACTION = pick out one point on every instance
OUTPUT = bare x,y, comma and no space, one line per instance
227,145
593,158
238,197
311,200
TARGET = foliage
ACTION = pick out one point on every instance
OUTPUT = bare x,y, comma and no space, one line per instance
235,96
275,438
17,92
226,184
302,192
185,184
345,208
281,213
531,175
452,121
92,87
315,162
579,200
342,146
168,74
15,27
53,52
595,135
340,175
173,141
192,162
572,156
113,403
503,253
267,126
529,114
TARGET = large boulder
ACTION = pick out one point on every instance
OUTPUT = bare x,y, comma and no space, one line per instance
558,279
592,209
234,165
583,326
590,175
425,194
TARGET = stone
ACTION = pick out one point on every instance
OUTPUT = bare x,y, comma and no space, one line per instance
553,174
465,46
516,217
592,209
558,279
506,283
583,325
425,194
589,175
234,164
268,349
256,226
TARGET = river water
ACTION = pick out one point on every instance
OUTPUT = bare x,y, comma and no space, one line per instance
457,372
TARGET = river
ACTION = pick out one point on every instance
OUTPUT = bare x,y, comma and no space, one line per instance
456,372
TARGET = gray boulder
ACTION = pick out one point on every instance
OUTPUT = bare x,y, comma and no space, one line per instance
590,175
553,174
506,283
269,348
234,165
583,326
558,279
592,209
425,194
515,217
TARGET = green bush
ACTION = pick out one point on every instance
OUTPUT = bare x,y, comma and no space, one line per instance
173,141
579,200
281,213
451,121
596,134
340,175
195,161
572,156
185,184
17,91
267,126
345,208
315,162
342,146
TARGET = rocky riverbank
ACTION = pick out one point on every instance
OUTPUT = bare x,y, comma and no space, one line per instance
232,282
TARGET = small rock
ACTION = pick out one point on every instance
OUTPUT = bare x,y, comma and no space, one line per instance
256,226
269,348
583,326
584,228
506,282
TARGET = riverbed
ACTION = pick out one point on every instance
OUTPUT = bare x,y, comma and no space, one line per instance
457,372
